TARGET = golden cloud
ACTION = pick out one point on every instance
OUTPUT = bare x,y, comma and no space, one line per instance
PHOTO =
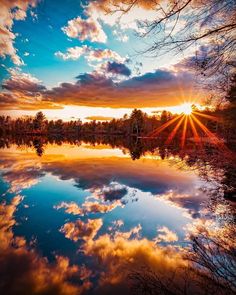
159,88
99,118
23,270
82,230
120,255
166,235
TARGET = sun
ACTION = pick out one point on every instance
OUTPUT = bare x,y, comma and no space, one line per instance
186,108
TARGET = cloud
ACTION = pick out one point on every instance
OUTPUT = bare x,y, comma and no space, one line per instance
23,91
11,11
91,54
165,235
120,255
154,89
71,208
118,69
141,11
140,175
22,174
192,202
111,178
88,207
85,29
23,270
106,199
99,118
112,193
101,54
120,36
100,88
23,83
73,53
96,207
82,230
7,221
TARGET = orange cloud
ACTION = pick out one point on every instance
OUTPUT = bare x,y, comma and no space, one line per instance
166,235
99,118
23,270
159,88
87,207
120,255
82,230
149,90
23,91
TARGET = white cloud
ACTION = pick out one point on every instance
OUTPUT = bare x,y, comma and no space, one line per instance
73,53
7,18
123,21
91,54
120,36
85,29
101,54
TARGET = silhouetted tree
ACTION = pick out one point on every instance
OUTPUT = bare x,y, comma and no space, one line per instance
38,122
136,121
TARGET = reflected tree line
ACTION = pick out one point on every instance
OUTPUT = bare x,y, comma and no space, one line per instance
211,162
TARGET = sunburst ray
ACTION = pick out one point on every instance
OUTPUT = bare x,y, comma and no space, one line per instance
195,133
213,118
174,131
164,126
184,132
211,135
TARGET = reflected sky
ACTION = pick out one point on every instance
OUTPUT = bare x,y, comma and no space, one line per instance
81,213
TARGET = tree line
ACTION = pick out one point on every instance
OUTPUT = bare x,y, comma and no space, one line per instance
137,123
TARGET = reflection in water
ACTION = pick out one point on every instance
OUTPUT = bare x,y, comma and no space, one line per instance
80,217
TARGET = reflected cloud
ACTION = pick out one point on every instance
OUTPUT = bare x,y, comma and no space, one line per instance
112,180
192,202
20,173
146,175
24,269
119,255
165,235
82,230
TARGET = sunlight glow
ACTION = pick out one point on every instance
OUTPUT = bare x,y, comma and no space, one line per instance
186,108
189,121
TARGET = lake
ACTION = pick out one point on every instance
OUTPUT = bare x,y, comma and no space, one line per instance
77,216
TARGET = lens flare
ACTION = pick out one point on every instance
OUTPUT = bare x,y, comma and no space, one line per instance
188,121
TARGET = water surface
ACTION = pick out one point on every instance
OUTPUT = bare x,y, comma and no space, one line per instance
77,214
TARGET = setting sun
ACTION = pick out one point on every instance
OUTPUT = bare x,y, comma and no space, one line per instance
186,108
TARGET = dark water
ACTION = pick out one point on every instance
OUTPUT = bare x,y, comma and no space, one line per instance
75,216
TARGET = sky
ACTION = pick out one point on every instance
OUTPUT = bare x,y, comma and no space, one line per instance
72,60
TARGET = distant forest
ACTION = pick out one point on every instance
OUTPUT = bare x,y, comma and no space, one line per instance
137,124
